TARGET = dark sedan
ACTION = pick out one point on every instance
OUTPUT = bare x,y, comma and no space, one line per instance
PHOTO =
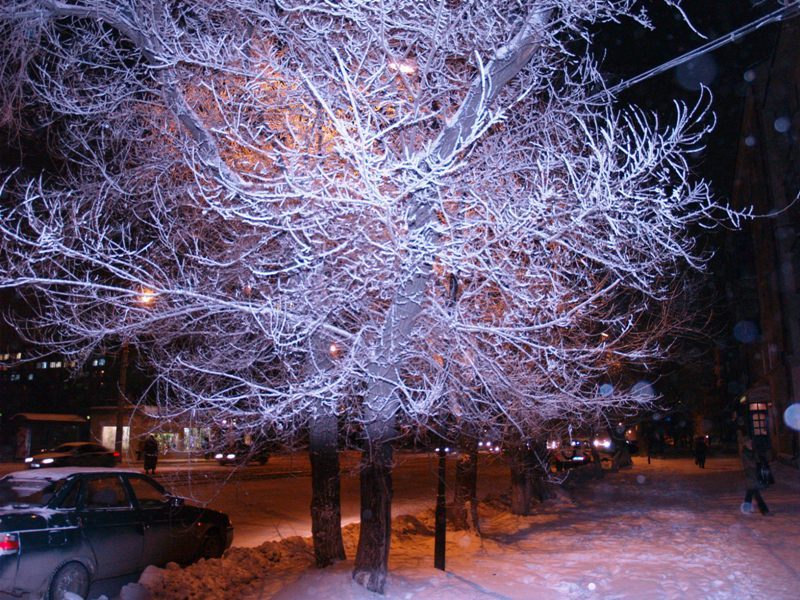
74,454
62,529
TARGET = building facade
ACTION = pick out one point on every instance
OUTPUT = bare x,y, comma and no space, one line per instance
764,289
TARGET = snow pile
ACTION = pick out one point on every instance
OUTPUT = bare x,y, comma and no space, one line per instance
241,573
665,530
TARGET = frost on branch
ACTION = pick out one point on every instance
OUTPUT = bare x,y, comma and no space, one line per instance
296,185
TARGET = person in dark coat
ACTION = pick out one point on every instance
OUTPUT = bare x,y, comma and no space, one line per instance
754,485
700,451
150,454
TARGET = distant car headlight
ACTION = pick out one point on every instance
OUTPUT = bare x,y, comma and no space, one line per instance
218,455
230,456
29,459
48,461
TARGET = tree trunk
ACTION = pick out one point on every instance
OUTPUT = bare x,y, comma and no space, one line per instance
383,371
326,518
465,506
521,477
372,555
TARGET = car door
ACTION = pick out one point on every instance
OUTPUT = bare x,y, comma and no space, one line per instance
43,548
93,455
112,526
161,543
82,456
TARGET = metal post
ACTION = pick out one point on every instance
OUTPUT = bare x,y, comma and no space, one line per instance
441,514
122,400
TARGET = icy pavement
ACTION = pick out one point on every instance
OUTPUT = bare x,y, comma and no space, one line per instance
664,530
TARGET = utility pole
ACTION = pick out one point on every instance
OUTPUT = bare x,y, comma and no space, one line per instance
122,400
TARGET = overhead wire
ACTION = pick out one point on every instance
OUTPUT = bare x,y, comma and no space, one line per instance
787,11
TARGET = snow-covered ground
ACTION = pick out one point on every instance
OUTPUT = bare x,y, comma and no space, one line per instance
664,530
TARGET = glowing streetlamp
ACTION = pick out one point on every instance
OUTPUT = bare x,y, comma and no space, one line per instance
146,297
406,67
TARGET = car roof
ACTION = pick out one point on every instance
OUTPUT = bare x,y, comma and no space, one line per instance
77,444
64,472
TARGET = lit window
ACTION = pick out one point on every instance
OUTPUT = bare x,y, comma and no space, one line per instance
30,376
56,364
41,365
15,377
19,355
759,424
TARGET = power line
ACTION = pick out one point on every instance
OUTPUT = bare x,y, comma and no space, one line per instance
786,12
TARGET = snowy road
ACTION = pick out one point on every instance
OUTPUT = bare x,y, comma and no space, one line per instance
666,530
278,505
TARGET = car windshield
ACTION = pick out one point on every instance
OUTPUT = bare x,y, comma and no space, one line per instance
64,448
18,491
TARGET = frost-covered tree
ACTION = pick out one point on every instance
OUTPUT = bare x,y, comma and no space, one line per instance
376,211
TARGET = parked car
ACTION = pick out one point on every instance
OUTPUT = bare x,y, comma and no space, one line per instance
571,454
241,454
62,529
74,454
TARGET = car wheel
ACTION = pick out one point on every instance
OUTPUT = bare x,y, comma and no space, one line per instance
212,545
72,578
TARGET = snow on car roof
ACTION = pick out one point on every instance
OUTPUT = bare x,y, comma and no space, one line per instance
64,472
78,444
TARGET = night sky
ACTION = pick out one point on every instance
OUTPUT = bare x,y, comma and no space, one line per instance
631,50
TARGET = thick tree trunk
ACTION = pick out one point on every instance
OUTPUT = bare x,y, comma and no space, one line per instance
520,485
521,462
465,505
372,555
326,518
383,372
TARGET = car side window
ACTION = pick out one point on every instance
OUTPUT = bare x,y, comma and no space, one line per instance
148,495
105,493
71,499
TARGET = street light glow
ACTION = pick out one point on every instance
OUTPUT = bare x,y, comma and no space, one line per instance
146,296
405,67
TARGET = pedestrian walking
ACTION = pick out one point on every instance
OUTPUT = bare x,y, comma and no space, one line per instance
700,451
751,465
150,454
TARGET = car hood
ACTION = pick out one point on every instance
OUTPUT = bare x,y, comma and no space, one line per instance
44,455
